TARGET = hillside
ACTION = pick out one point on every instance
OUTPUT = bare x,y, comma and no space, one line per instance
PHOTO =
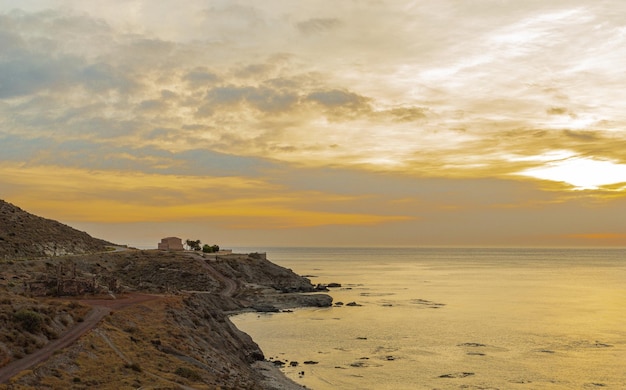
180,338
24,235
137,319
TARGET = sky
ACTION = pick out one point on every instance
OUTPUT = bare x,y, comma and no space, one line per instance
318,122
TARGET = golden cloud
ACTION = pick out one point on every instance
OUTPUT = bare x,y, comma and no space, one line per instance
112,196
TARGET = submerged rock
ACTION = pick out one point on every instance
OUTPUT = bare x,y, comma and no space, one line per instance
321,287
427,303
471,345
457,375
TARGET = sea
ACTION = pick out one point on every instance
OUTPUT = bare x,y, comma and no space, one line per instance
452,318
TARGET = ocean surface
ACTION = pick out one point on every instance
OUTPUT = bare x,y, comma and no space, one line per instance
431,318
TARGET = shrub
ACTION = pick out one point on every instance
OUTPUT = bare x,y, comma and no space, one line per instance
74,305
188,373
29,320
133,366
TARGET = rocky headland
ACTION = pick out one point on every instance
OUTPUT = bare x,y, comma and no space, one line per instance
136,319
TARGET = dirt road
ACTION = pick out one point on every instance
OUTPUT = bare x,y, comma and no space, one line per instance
100,308
230,286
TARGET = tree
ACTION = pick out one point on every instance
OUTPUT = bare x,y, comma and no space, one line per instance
210,248
195,245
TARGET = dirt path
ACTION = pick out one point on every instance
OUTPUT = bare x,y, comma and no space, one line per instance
230,286
100,308
121,302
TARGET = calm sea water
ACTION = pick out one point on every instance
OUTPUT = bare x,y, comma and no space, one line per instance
454,318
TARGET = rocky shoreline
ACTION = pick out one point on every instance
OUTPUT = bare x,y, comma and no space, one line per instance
183,338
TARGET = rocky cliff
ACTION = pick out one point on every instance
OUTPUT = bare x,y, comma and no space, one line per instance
153,319
24,235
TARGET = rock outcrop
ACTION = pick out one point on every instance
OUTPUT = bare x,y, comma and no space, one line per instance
182,335
24,235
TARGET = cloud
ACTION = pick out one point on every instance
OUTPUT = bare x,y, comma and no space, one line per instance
226,89
102,77
602,237
32,62
115,196
262,98
317,25
340,104
200,77
557,111
152,105
408,114
255,71
336,98
27,74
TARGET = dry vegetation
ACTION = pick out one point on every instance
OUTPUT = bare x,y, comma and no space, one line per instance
177,337
27,324
149,346
24,235
181,338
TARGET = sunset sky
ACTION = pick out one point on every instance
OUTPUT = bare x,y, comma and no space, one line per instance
369,123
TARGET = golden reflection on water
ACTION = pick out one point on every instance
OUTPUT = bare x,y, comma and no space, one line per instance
438,323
